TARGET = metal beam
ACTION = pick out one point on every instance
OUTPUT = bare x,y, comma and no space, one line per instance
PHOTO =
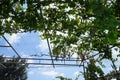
43,59
41,64
11,46
36,62
3,65
4,46
41,13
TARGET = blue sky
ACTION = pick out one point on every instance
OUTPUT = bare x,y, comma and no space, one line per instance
27,44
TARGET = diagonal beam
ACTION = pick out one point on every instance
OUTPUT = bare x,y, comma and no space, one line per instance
3,65
11,46
41,13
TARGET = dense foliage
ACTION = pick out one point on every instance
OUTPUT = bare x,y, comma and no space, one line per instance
88,28
11,70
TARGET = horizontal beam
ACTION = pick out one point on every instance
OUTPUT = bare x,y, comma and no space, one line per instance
38,61
4,46
43,59
40,64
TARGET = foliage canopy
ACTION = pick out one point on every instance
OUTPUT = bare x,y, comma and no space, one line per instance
11,70
84,27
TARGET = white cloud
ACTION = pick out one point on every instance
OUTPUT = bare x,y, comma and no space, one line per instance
61,74
30,72
23,55
50,73
75,55
43,46
40,33
14,38
30,61
116,52
44,66
76,73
